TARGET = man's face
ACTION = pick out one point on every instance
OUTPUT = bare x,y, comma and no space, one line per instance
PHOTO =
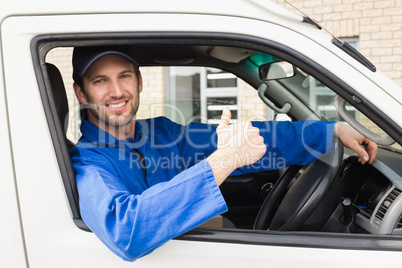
111,85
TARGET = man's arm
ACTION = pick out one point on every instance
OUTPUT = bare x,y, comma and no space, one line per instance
241,144
133,225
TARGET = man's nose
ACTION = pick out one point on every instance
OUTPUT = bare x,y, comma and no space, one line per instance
115,88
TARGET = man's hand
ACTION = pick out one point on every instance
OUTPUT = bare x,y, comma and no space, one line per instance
353,140
238,145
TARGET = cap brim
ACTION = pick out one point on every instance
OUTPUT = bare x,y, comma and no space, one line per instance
101,54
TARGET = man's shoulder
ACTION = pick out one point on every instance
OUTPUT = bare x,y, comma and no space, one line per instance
89,156
86,150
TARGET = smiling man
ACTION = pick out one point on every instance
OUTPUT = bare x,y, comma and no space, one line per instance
135,205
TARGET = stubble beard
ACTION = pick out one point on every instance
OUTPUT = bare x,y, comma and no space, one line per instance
113,122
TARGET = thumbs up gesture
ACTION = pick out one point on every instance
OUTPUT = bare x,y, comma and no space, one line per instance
239,144
223,129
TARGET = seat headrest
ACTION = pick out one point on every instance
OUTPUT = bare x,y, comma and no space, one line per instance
59,94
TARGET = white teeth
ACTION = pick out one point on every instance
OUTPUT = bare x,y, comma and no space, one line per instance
118,105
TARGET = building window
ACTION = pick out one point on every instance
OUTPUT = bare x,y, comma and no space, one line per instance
211,90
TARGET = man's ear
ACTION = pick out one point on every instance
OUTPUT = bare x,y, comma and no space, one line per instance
139,82
80,94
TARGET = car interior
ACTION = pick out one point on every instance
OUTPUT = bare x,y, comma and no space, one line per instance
334,195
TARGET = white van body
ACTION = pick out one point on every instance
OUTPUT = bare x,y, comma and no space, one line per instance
36,225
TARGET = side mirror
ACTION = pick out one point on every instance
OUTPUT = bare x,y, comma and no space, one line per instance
276,70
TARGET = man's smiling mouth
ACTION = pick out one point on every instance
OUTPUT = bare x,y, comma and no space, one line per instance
116,105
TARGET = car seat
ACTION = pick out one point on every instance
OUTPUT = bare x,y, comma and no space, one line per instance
58,97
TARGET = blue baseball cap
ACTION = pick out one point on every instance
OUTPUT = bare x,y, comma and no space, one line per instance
84,57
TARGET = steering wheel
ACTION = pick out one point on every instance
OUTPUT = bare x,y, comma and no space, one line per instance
311,199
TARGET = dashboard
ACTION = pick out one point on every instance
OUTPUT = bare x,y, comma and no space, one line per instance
374,192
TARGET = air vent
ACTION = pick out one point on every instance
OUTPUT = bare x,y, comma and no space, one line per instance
385,205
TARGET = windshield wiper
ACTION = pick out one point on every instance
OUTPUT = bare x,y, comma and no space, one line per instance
351,51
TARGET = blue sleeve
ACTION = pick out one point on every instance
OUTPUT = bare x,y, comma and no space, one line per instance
292,143
134,225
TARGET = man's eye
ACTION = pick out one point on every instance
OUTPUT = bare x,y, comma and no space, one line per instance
125,75
98,81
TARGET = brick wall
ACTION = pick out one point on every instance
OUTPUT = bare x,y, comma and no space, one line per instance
250,104
153,94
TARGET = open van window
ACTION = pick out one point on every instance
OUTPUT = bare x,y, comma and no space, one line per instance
213,76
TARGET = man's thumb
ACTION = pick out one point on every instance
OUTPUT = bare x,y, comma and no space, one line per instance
225,118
